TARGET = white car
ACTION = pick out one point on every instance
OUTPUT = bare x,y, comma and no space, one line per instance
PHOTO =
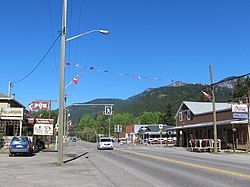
105,143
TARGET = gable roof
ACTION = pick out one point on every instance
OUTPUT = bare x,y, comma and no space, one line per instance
154,128
4,98
198,108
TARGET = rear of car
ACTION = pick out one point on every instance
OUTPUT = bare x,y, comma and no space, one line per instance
105,143
20,145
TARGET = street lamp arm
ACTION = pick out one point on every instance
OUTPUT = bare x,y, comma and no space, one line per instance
88,32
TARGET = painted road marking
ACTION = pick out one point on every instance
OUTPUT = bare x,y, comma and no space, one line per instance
246,176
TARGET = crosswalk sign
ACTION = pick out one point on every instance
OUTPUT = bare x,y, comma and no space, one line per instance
108,110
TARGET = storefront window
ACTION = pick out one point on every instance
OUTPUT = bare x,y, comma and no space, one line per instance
180,116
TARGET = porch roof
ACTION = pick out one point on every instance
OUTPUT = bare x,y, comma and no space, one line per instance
207,124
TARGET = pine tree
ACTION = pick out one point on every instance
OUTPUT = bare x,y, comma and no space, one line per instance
241,89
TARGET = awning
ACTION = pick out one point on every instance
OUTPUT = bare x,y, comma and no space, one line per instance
207,124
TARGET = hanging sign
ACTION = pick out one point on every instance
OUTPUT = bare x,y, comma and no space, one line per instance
40,105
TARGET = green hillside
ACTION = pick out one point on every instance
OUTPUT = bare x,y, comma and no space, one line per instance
152,100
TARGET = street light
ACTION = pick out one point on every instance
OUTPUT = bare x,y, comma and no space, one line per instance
61,79
105,32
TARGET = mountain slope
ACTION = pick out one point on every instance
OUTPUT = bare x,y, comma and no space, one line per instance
153,100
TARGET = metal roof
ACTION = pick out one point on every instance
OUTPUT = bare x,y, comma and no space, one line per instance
6,98
2,96
198,108
206,124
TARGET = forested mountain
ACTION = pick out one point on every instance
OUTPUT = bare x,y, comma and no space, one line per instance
152,100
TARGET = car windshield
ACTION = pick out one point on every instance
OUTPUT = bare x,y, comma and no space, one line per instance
19,140
105,140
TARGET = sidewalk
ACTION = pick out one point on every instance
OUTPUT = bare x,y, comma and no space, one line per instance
43,169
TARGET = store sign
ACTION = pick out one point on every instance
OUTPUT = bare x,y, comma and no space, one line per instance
31,121
241,108
118,128
40,105
44,121
43,129
240,115
11,113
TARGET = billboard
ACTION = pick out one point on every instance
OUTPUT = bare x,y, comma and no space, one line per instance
40,105
43,129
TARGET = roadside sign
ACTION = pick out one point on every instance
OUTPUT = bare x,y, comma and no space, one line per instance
240,115
40,105
11,113
108,110
241,108
118,128
44,121
43,129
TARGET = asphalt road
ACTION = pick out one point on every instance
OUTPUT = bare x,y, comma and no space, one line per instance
154,166
126,166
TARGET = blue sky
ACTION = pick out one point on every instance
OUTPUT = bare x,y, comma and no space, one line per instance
167,40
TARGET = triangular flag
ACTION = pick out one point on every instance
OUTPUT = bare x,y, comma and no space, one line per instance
206,95
75,80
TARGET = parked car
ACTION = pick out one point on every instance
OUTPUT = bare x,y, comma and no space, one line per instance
74,139
105,143
20,145
122,141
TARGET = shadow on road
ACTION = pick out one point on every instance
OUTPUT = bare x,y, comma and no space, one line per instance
74,158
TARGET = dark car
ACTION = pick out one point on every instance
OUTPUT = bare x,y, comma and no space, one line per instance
20,145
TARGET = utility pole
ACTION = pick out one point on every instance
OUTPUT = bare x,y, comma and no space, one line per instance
61,84
248,126
9,88
109,126
214,111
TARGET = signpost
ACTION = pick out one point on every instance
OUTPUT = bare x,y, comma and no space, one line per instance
161,127
118,129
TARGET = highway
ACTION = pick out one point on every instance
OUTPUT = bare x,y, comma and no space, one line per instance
155,166
135,166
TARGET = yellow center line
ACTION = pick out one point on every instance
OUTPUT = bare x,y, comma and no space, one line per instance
247,176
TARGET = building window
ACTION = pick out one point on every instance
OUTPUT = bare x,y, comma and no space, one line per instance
2,128
188,115
180,116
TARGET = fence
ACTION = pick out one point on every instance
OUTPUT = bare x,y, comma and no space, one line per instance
204,145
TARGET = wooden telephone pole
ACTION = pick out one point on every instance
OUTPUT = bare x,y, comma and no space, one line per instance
214,110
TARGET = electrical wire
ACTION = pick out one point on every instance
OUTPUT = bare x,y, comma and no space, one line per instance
78,29
22,79
209,85
233,78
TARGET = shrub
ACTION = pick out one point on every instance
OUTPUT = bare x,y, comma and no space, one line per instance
1,140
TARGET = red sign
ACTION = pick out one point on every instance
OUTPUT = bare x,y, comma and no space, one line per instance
40,105
31,121
44,121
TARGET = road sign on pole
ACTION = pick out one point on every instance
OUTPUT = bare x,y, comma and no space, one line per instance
108,110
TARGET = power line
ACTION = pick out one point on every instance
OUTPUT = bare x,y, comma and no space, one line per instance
78,29
232,78
39,61
209,85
